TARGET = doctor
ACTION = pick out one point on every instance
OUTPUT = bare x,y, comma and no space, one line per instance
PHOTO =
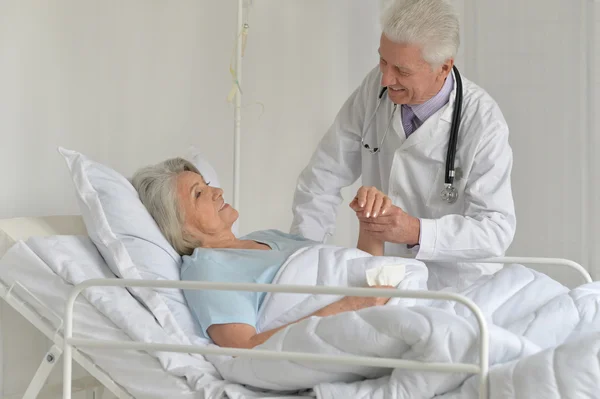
448,196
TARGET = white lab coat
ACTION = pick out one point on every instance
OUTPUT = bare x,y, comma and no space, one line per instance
411,171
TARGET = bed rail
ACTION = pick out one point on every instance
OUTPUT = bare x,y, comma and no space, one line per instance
524,260
71,343
40,316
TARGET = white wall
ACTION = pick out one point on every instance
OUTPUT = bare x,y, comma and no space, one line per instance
302,74
593,42
124,82
536,60
129,83
133,82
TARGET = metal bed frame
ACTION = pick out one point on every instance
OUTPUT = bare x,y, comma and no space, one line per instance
50,324
42,318
70,346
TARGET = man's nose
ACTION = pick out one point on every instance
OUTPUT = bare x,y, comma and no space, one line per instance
387,77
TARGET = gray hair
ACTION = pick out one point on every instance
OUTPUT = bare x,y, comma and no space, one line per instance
431,24
157,188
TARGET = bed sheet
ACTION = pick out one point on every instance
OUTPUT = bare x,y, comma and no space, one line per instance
530,307
139,373
48,267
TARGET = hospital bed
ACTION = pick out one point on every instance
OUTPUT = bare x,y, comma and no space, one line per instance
38,294
32,289
109,359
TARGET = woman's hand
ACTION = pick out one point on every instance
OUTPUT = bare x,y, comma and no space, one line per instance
370,202
353,303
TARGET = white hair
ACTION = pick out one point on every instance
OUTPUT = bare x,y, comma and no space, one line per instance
431,24
157,187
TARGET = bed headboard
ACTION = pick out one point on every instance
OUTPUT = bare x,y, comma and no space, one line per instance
13,230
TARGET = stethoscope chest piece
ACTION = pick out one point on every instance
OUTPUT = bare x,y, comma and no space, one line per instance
450,194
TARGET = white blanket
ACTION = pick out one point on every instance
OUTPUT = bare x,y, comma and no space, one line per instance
527,313
75,259
544,340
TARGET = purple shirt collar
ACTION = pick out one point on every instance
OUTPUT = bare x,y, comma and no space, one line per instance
435,103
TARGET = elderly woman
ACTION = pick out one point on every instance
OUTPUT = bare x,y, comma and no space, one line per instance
196,220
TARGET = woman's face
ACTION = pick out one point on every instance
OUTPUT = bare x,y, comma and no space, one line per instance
205,212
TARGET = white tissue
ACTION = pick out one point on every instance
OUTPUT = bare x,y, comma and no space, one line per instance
386,275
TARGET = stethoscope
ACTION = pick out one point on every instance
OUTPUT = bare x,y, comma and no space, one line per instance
449,193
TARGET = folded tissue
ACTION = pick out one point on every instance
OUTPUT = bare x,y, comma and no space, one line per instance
386,275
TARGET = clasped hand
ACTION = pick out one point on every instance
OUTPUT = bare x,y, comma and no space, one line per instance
382,220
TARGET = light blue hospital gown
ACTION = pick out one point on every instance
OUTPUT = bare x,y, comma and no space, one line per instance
236,266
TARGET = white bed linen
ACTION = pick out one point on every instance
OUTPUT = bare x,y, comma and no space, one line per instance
138,373
49,266
74,259
526,311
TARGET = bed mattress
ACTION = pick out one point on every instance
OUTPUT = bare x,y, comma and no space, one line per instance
47,255
139,373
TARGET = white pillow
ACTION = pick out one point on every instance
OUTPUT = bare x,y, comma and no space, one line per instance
130,241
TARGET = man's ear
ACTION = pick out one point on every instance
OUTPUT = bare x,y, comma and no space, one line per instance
446,68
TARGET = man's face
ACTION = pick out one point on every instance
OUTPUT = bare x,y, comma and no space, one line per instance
409,78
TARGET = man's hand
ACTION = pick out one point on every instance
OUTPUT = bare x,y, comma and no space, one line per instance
380,221
395,226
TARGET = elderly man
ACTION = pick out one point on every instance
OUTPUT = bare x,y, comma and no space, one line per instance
450,194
